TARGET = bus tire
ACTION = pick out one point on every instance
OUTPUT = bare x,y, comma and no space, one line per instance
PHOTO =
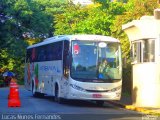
100,103
57,98
34,93
33,90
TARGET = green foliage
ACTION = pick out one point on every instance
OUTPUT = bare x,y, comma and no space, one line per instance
20,21
134,10
95,19
6,62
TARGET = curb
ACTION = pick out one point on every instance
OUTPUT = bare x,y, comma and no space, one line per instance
117,104
138,109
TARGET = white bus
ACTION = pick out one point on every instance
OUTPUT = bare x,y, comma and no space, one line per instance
68,67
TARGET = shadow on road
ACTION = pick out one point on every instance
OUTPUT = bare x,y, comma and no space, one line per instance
78,103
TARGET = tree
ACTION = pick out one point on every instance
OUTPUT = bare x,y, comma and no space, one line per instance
92,19
134,10
21,22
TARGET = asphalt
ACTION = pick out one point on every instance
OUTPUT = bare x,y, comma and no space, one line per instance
126,102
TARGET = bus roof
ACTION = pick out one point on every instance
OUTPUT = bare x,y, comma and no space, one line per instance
74,37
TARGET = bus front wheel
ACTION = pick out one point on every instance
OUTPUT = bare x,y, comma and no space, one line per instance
57,98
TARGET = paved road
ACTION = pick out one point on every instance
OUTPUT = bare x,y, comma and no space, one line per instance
46,108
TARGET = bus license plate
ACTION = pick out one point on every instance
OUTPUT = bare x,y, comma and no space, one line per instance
97,95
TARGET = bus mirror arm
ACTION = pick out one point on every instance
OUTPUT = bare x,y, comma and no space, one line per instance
124,62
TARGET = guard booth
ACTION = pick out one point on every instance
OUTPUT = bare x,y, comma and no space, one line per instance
144,36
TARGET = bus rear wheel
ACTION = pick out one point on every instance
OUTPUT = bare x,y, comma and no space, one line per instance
34,93
33,90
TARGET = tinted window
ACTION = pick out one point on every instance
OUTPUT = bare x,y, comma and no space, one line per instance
47,52
143,51
87,61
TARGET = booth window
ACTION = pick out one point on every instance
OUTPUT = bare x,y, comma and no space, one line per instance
143,51
136,47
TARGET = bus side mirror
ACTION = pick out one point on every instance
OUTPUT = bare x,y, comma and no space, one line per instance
66,67
66,72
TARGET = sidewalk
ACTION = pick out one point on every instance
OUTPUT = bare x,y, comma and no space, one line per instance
126,102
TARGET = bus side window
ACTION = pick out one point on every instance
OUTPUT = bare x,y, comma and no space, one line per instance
57,50
50,52
42,53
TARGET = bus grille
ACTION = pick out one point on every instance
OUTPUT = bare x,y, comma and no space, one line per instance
97,90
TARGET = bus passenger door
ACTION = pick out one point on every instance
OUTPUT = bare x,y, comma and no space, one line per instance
65,66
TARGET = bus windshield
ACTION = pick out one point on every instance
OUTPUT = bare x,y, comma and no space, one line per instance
96,61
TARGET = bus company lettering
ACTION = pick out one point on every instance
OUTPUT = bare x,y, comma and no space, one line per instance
47,68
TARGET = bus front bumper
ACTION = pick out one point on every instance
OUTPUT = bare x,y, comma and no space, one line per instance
82,95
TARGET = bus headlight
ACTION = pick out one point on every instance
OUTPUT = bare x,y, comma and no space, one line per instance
115,89
77,87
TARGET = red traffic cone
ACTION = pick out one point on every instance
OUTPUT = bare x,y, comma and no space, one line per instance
12,83
14,100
